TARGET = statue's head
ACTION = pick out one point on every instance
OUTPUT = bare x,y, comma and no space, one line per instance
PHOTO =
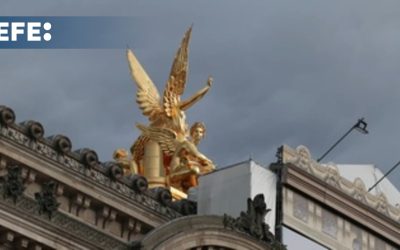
197,131
120,153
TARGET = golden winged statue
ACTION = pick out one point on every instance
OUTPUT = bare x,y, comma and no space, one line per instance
153,152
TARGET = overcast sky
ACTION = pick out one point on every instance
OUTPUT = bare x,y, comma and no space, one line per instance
285,72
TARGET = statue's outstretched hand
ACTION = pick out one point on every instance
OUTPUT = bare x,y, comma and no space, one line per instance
210,81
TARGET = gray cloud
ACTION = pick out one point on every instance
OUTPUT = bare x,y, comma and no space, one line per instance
285,72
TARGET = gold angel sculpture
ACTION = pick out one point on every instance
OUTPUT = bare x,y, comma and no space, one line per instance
164,153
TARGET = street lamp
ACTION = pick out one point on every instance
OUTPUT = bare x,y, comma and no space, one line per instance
360,126
376,183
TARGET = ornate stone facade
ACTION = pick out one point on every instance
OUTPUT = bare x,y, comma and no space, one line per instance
199,232
326,227
329,173
326,207
52,197
88,204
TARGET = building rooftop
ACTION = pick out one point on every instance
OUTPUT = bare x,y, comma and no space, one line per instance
370,174
351,179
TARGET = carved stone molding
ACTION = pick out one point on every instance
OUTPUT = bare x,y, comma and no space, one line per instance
13,240
131,228
84,163
83,206
79,203
329,173
331,229
198,232
65,225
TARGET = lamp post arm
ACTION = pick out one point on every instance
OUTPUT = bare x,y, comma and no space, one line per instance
391,170
336,143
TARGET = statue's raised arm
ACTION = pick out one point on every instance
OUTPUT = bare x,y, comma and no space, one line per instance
184,105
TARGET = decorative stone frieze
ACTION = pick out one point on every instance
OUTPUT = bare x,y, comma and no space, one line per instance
79,203
131,228
27,209
323,225
329,173
13,240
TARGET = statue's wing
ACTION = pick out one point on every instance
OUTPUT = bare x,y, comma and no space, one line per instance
177,78
137,149
165,137
147,95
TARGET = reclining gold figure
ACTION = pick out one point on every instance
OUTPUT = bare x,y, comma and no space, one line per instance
164,153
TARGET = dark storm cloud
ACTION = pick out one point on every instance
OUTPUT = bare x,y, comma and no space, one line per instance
285,72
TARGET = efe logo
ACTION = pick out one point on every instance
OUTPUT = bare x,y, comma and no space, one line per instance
31,31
